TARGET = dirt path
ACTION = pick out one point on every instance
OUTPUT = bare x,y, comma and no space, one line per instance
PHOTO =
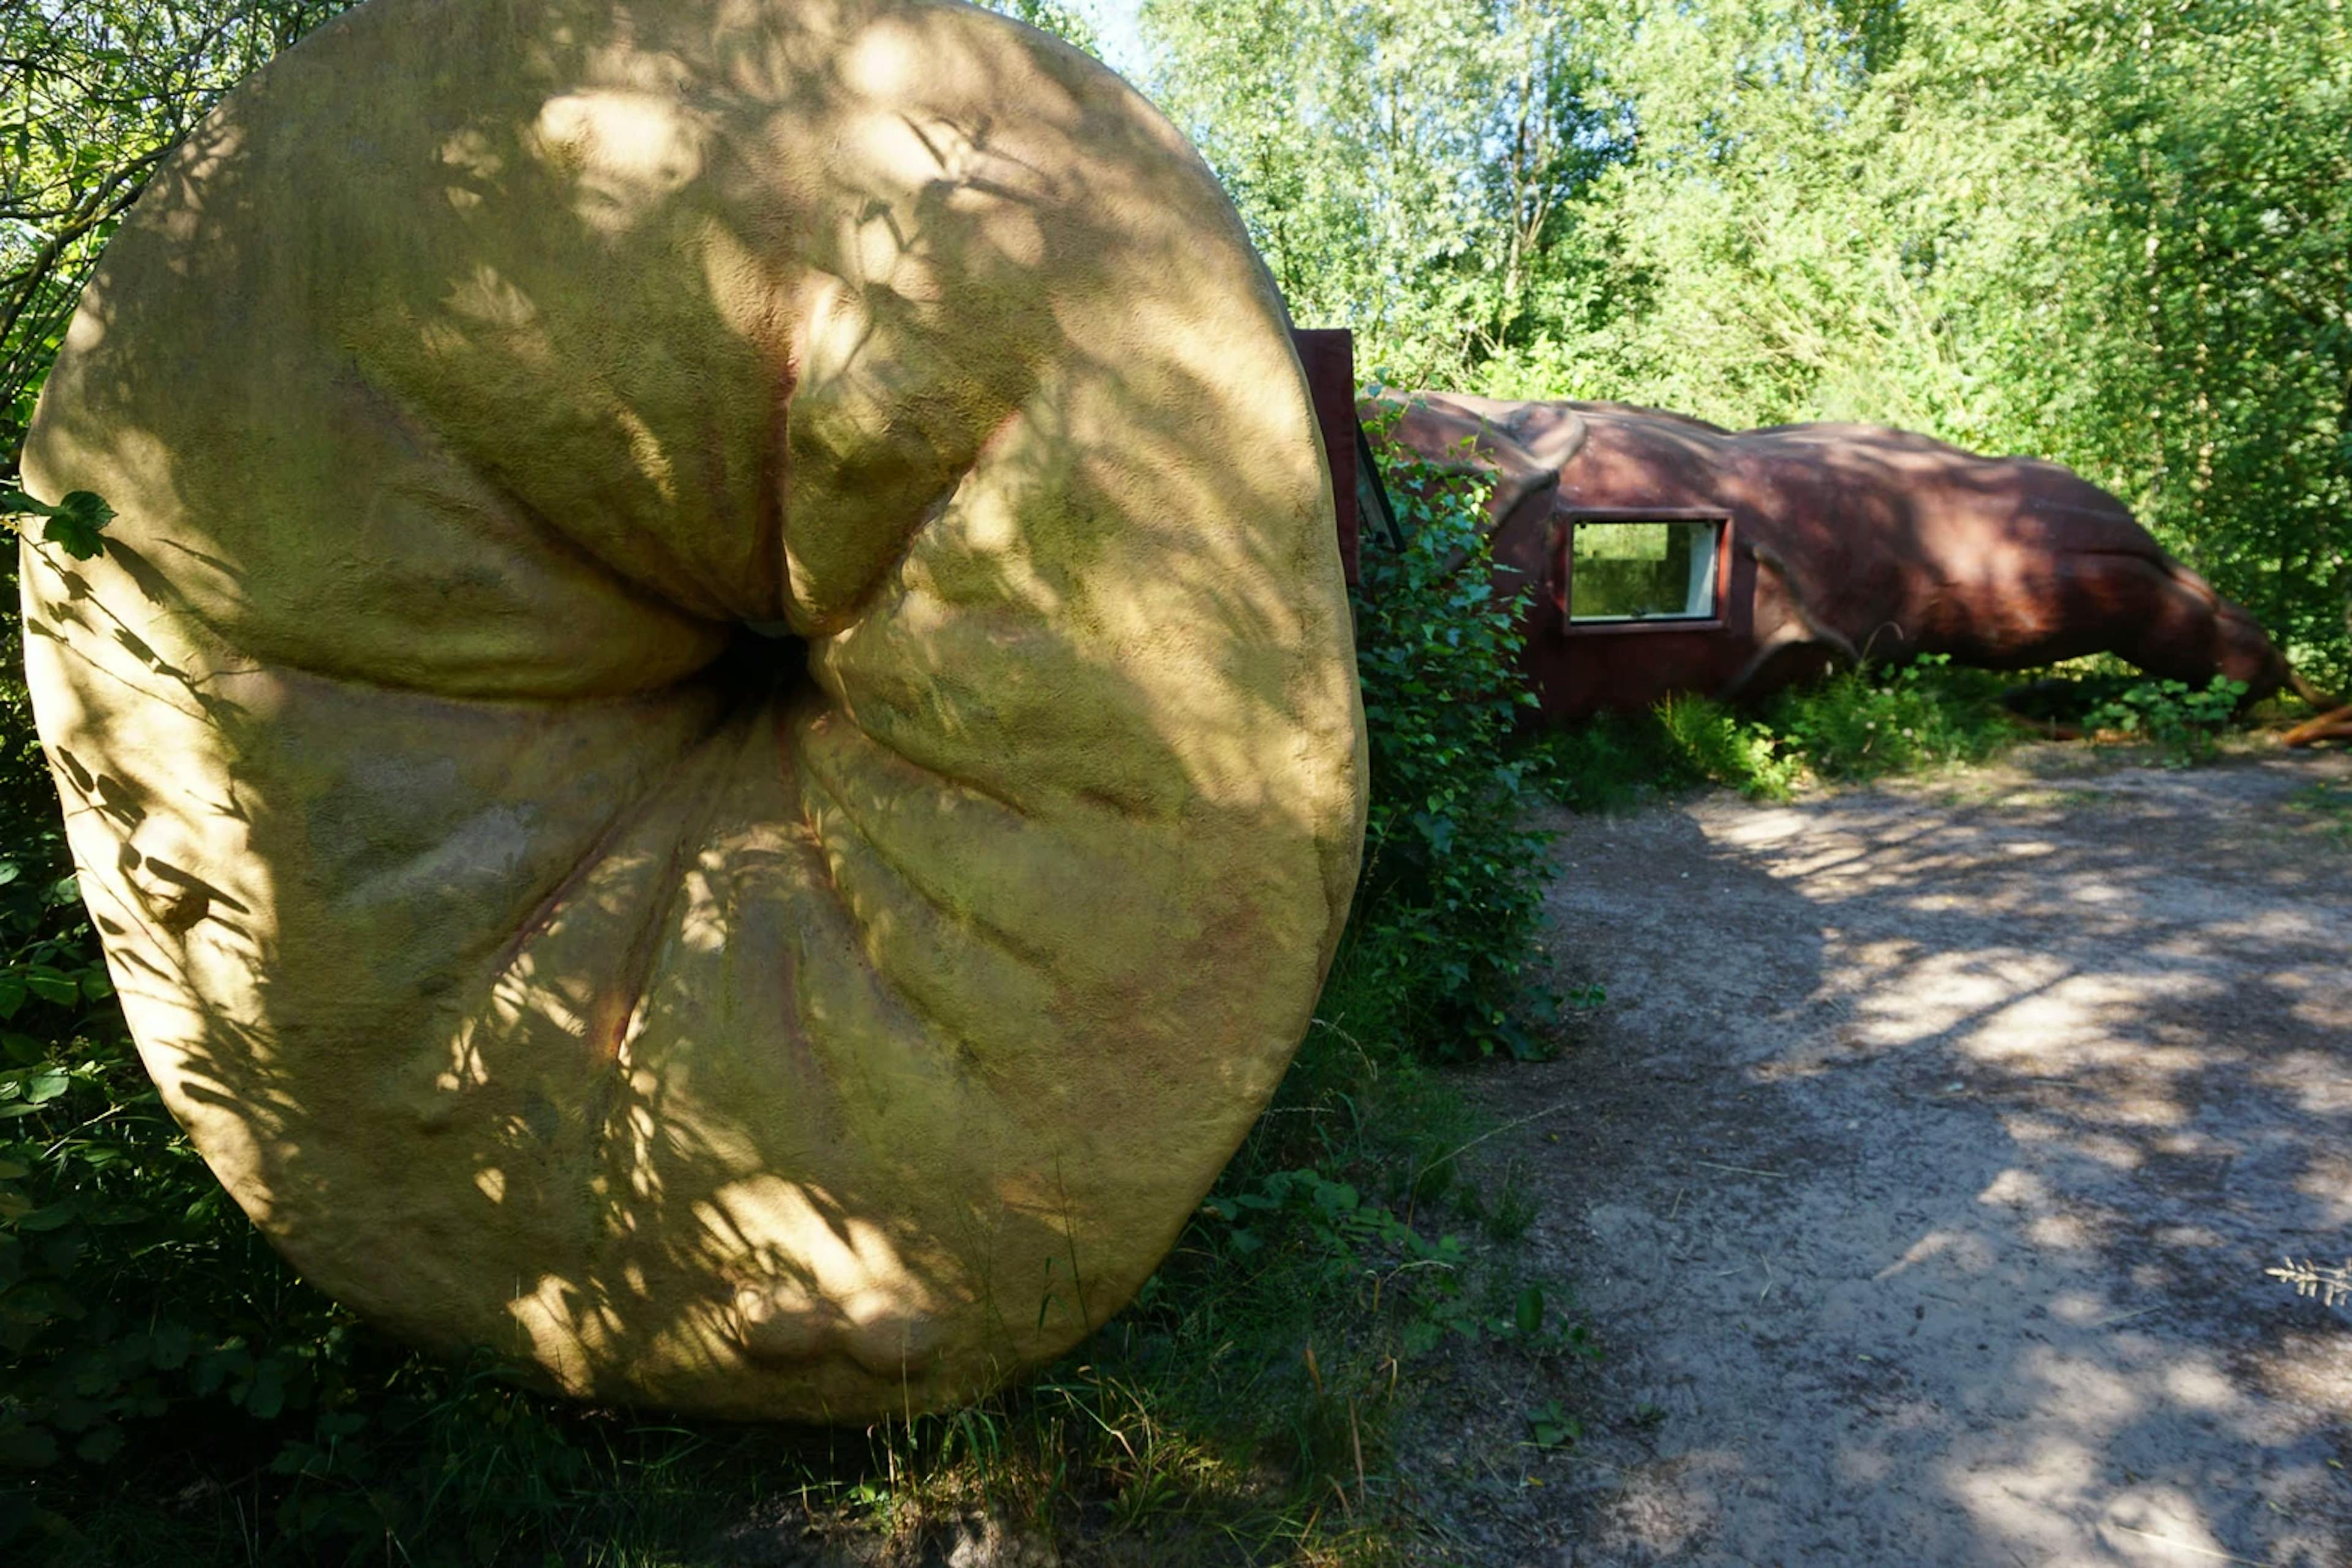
1921,1174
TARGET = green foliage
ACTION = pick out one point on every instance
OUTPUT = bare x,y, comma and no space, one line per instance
2185,723
2116,236
1410,170
1049,15
1856,724
2223,361
1550,1427
1451,892
1712,742
1322,1268
1425,1275
1611,761
1866,722
73,525
96,94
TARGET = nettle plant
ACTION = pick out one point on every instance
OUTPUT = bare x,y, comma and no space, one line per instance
2185,721
1873,720
1451,892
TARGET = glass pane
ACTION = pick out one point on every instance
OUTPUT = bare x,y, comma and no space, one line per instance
1642,571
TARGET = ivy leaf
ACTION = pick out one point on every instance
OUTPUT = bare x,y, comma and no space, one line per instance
75,525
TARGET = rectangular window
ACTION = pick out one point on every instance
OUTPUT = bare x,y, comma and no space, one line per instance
1644,568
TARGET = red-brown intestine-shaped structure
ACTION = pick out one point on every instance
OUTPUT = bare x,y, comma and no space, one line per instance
1769,555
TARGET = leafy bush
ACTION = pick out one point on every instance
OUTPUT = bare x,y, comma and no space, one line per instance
1858,724
1363,1237
74,525
1452,887
2184,723
1712,742
1867,722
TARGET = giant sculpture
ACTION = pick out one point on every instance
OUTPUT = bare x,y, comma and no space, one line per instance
1667,555
718,749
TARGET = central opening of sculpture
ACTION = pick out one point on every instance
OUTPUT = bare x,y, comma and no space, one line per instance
764,660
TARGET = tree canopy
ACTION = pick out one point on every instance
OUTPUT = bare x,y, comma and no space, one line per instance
2114,233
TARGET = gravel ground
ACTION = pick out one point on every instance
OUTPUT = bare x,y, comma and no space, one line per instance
1920,1175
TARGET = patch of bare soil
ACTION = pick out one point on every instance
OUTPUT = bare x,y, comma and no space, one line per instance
1919,1178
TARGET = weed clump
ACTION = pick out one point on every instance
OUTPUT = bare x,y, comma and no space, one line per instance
1869,722
1860,723
1714,742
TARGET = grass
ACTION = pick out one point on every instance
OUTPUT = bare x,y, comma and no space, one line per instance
2328,805
1613,762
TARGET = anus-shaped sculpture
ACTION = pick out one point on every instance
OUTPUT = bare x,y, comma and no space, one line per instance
717,750
1670,555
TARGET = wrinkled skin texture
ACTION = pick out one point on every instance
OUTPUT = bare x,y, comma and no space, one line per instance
718,749
1848,540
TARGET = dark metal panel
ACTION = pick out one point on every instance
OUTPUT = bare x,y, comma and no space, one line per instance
1327,354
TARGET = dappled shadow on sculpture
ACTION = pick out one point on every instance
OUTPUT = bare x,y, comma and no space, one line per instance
1838,542
717,748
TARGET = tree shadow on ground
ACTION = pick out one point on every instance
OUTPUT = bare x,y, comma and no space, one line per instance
1929,1163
